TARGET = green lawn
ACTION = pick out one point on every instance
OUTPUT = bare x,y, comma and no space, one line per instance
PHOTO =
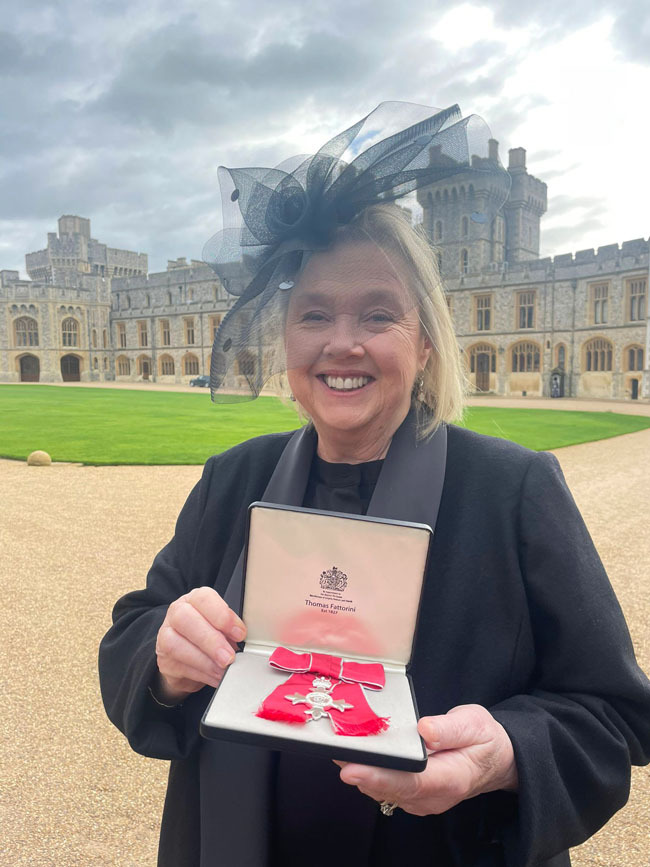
117,426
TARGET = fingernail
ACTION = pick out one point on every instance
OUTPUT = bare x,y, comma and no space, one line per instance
225,657
237,633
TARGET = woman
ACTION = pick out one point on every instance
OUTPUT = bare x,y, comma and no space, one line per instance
532,704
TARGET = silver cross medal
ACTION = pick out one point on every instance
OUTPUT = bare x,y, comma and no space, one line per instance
319,701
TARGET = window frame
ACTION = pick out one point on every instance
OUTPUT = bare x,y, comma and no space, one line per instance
143,334
30,332
481,311
70,336
526,310
641,299
598,303
528,350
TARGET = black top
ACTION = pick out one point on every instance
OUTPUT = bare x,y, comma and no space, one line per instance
312,804
341,487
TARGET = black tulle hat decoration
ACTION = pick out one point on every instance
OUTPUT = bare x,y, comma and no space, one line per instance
272,217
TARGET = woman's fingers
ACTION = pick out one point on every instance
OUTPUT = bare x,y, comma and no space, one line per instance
179,657
472,753
197,640
463,726
190,623
215,610
204,619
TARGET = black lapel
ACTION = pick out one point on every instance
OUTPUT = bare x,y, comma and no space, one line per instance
409,487
286,487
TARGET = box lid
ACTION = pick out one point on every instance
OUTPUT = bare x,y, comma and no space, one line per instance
341,584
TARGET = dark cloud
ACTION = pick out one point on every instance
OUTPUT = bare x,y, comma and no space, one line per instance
122,111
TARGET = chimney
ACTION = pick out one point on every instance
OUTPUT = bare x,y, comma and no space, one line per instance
493,150
517,159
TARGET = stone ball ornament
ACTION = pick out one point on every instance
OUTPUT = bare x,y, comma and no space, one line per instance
39,459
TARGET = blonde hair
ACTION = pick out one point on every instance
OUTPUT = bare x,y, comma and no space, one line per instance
441,396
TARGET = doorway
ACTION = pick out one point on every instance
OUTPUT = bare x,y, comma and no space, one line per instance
70,371
482,371
30,368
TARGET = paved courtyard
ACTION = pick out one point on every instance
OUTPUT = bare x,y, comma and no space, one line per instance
75,538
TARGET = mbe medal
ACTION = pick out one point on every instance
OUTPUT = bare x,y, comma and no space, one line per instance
319,701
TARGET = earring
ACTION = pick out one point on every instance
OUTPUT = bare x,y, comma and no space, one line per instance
418,387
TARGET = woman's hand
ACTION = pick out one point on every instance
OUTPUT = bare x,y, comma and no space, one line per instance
195,644
471,754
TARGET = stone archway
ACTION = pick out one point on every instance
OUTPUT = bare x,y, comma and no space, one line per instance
30,368
70,368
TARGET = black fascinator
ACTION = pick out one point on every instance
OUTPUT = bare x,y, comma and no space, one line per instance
274,217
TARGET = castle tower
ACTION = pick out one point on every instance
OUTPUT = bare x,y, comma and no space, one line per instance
523,210
454,216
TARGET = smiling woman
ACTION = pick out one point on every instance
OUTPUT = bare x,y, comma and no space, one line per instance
522,665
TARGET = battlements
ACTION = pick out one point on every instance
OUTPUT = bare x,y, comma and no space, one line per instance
583,264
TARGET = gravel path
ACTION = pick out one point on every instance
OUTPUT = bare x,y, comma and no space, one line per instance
75,538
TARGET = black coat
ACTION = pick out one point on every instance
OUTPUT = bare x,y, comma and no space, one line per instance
517,615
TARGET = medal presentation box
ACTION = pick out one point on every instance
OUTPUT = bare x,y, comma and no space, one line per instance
326,583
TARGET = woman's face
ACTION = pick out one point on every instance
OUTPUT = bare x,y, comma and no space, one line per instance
353,341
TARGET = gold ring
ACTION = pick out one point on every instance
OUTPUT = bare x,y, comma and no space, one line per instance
387,808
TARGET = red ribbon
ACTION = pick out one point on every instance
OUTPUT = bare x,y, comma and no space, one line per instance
368,674
356,721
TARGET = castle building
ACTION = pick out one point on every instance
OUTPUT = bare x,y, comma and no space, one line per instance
56,326
571,325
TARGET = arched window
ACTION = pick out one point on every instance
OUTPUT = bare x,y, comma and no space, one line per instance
70,332
26,331
166,365
464,227
464,261
190,365
437,231
123,366
93,334
169,298
454,194
598,354
525,358
560,356
105,339
147,300
96,363
128,301
633,356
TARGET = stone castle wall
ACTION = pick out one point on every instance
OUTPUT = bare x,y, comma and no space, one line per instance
160,326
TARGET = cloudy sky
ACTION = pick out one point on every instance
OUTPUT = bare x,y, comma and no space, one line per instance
122,111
